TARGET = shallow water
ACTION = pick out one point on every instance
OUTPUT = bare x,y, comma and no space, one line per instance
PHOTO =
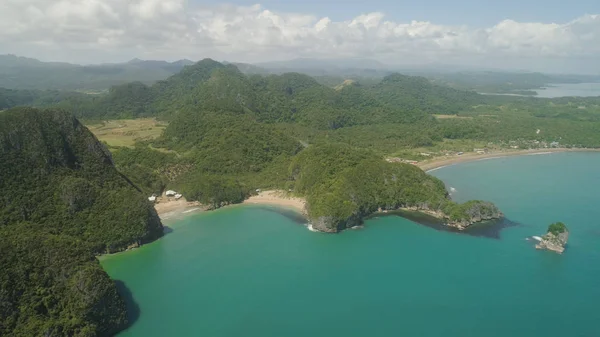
255,271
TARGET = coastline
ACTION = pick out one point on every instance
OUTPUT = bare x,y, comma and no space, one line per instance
171,209
278,198
176,209
439,162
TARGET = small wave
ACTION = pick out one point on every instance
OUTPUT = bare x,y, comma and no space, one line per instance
452,189
490,158
167,215
437,168
311,228
538,153
191,210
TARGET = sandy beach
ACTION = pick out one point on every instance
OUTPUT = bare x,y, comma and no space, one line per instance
472,156
169,208
278,198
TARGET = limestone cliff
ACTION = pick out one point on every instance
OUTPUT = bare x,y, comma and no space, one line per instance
459,216
62,203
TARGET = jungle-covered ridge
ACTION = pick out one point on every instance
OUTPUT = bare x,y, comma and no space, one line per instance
63,202
388,115
31,74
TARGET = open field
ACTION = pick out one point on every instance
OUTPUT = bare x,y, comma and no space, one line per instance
125,132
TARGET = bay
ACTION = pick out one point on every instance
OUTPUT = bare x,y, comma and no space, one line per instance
569,90
258,271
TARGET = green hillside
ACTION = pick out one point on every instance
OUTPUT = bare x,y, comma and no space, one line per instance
62,203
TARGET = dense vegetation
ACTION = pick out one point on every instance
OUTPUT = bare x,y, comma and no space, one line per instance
230,133
391,115
557,228
62,203
343,184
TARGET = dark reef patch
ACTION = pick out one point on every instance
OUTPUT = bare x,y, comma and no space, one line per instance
488,229
288,213
133,309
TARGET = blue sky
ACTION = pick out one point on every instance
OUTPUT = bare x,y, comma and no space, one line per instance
474,13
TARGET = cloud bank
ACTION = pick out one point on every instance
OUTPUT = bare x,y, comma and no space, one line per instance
88,31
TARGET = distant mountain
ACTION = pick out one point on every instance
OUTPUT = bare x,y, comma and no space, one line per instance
290,97
152,64
310,63
329,67
26,73
250,69
20,61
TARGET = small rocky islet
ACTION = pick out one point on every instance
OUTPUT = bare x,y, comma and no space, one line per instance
555,239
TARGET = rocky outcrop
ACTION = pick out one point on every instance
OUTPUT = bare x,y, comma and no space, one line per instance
556,238
329,224
461,216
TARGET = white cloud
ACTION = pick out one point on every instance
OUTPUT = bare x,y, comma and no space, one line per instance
114,30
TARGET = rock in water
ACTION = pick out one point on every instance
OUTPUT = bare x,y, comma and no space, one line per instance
556,238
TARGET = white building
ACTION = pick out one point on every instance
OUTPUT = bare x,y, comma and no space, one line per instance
170,193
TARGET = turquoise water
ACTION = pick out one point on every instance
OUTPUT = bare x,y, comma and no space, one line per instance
252,271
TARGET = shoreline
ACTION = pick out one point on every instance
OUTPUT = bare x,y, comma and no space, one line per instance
168,210
171,209
440,162
278,198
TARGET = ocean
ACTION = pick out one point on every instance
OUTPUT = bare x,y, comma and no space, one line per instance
258,271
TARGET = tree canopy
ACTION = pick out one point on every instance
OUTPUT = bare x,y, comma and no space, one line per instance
62,203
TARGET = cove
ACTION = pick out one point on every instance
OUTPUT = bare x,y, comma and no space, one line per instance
257,271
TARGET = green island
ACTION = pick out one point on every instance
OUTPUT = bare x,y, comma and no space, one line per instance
222,136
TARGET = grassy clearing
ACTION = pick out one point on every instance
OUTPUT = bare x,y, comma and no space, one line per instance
125,132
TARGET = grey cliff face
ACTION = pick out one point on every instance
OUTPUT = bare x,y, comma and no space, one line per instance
329,224
553,242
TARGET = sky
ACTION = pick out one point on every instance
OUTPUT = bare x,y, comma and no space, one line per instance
549,36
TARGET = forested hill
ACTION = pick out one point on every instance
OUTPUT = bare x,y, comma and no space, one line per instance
290,98
62,203
411,93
